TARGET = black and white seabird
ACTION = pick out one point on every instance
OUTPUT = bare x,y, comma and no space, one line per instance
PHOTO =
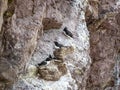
58,45
67,32
42,63
49,58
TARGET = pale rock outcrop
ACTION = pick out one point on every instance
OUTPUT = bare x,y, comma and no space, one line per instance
69,14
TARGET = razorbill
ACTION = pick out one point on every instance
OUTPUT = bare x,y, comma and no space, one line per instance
49,58
67,32
57,44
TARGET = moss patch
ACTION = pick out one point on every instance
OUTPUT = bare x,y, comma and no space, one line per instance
8,14
10,1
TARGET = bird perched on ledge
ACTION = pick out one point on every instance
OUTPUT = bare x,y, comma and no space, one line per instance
58,45
46,61
49,58
42,63
67,32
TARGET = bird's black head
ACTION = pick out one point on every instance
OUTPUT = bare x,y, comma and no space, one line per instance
55,42
50,56
65,29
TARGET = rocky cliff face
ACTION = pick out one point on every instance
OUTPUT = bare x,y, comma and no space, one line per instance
29,31
104,41
44,44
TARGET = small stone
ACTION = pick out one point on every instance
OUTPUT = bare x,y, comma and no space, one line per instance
51,23
63,51
78,71
32,71
53,71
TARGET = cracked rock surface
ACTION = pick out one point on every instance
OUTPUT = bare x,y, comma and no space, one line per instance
28,30
84,61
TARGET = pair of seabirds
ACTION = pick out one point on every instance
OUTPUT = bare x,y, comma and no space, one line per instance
67,33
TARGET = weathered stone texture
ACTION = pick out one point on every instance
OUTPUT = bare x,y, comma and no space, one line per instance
104,42
18,43
3,8
26,33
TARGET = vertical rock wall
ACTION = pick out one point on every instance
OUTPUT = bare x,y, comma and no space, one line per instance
104,43
56,16
28,33
28,30
3,7
18,41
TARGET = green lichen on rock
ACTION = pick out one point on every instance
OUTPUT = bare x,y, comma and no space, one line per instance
8,14
10,10
10,1
32,71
